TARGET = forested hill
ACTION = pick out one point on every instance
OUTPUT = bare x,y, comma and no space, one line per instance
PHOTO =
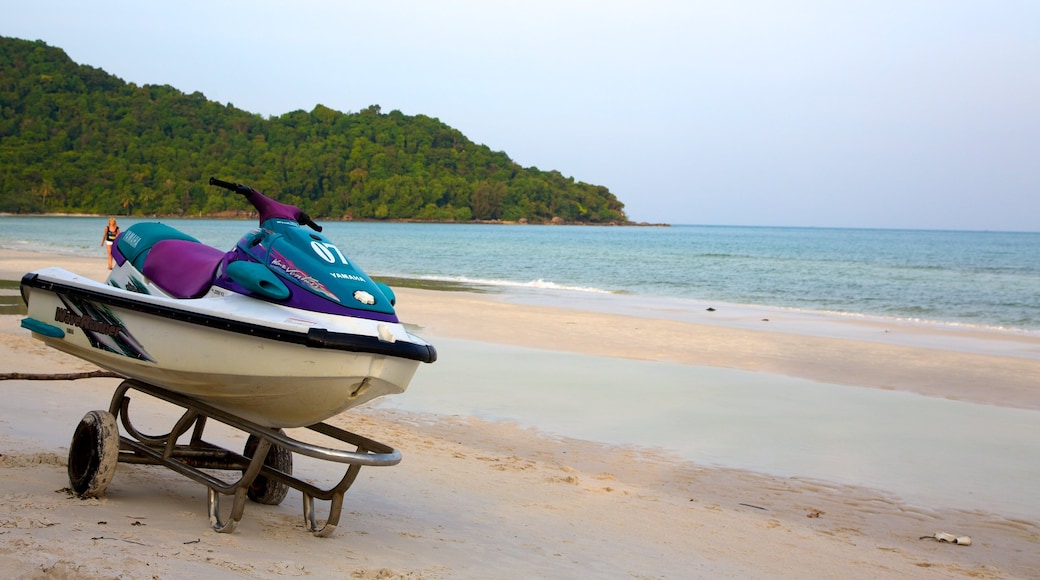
76,139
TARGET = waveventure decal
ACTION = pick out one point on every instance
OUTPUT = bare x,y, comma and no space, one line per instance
285,264
101,326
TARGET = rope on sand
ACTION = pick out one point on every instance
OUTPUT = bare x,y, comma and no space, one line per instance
58,376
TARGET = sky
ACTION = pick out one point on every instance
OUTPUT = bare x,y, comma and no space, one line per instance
921,114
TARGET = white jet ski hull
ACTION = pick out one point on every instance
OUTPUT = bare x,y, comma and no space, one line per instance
271,364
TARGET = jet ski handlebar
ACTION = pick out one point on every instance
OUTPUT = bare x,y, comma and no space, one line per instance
267,207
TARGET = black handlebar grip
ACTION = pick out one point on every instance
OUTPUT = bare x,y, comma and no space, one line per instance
235,187
221,183
306,220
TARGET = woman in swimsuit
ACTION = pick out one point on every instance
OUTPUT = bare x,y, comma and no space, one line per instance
111,231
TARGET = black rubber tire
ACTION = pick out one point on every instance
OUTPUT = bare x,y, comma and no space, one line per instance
93,454
264,490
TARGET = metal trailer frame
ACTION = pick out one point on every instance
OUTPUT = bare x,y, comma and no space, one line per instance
92,458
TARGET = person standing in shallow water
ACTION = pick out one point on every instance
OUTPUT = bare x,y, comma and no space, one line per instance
109,237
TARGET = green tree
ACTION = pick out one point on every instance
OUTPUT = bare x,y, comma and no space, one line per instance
75,139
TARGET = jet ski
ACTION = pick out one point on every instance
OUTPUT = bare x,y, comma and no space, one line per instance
283,330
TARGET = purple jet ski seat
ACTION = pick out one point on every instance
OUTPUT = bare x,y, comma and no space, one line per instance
182,268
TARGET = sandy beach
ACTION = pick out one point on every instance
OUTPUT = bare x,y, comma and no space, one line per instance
482,493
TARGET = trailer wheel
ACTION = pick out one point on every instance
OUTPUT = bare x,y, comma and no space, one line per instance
93,453
264,490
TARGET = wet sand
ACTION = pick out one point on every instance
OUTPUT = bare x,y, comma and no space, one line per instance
483,493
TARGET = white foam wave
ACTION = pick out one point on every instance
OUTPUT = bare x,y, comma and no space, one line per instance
902,319
539,284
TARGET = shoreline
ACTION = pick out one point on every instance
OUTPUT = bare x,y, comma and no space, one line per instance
244,215
497,498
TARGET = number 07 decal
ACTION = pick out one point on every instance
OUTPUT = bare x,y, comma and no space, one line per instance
328,252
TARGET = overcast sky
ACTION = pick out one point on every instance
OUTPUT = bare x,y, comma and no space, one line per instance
846,113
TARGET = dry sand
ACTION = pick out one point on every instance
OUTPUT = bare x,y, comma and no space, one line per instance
477,499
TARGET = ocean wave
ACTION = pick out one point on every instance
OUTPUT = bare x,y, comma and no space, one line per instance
538,284
44,248
905,318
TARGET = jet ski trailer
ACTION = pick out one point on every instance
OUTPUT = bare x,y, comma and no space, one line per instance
281,332
262,472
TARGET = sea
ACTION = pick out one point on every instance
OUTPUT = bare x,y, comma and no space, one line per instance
984,279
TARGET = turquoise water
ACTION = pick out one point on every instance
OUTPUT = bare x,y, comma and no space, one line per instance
988,279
